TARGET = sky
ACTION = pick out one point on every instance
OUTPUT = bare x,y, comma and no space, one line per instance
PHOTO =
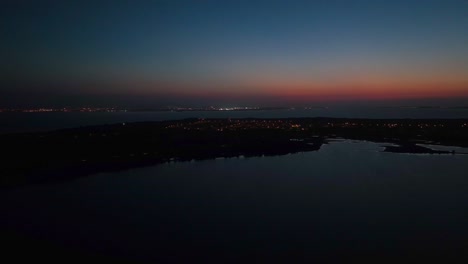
200,52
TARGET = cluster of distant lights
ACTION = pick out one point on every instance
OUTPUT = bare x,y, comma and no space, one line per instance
240,124
234,124
389,125
48,110
238,108
111,109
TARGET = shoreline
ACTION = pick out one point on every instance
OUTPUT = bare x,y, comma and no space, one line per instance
48,156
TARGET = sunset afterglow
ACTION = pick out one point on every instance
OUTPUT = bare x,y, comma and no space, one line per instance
305,51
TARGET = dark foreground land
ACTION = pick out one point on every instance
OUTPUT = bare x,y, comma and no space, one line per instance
68,153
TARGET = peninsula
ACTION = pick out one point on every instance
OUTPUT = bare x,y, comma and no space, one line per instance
68,153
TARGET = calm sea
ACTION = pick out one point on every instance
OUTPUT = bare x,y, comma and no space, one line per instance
26,122
348,199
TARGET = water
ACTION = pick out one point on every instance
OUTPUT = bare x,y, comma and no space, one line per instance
349,198
25,122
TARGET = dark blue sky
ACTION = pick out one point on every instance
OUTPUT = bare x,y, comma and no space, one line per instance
75,52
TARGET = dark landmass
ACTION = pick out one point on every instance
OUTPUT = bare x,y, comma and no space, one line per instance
413,148
163,109
68,153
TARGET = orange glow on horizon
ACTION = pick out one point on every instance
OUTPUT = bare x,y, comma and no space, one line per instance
294,90
333,93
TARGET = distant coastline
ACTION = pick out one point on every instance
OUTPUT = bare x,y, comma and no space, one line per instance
201,109
163,109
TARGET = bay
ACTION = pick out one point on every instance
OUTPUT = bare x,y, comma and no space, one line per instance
348,199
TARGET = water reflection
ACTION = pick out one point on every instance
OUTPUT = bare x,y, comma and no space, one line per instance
347,198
